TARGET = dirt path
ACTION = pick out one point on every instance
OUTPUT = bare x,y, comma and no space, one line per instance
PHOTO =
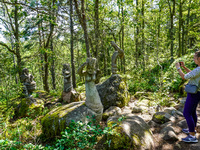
178,145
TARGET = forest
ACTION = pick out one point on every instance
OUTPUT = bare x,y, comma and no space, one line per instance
42,35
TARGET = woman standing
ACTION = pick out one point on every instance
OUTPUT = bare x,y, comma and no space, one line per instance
192,100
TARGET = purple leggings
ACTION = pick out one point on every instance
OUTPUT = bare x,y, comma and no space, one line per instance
189,111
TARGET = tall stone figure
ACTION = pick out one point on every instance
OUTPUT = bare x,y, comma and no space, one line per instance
93,100
118,53
29,84
69,94
67,78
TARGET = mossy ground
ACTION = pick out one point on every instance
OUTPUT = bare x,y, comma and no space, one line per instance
54,122
27,127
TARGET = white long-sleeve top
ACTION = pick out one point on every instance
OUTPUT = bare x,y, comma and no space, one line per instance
193,76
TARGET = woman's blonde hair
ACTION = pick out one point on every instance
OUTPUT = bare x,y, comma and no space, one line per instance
197,53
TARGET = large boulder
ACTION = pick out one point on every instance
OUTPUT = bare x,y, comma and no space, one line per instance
29,107
114,92
59,118
131,132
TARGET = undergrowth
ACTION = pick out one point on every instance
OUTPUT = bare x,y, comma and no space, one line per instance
77,135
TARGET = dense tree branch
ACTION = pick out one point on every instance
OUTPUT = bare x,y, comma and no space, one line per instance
9,49
6,25
41,10
78,12
11,24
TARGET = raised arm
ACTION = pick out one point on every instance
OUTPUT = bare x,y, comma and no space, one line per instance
80,69
180,71
185,68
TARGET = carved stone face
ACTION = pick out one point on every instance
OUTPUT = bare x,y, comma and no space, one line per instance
25,71
91,65
66,66
66,69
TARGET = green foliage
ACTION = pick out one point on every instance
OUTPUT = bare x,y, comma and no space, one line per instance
164,77
9,145
77,135
171,78
80,135
15,145
31,146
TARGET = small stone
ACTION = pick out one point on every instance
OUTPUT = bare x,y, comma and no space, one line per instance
162,117
182,124
144,102
136,109
170,110
169,134
112,111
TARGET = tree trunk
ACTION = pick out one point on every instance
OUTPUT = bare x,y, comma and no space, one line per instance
82,20
96,28
188,26
183,39
46,72
137,35
143,49
14,61
53,66
123,60
16,34
16,80
46,63
72,45
91,47
180,51
172,12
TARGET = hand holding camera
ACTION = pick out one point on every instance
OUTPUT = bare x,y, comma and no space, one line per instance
181,63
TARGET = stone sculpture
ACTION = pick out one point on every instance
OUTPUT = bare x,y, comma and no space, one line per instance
29,84
59,118
93,100
118,53
114,91
67,78
69,94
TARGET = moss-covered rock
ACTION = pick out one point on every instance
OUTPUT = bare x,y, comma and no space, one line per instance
162,117
114,92
131,132
59,118
113,110
29,107
141,95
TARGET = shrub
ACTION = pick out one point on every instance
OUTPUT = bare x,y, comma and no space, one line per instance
80,135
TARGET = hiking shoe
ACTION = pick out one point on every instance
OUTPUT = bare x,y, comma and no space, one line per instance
190,139
187,131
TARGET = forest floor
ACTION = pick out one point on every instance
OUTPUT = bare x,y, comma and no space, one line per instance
161,144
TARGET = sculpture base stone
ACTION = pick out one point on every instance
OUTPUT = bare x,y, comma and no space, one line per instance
114,92
72,96
29,107
60,117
